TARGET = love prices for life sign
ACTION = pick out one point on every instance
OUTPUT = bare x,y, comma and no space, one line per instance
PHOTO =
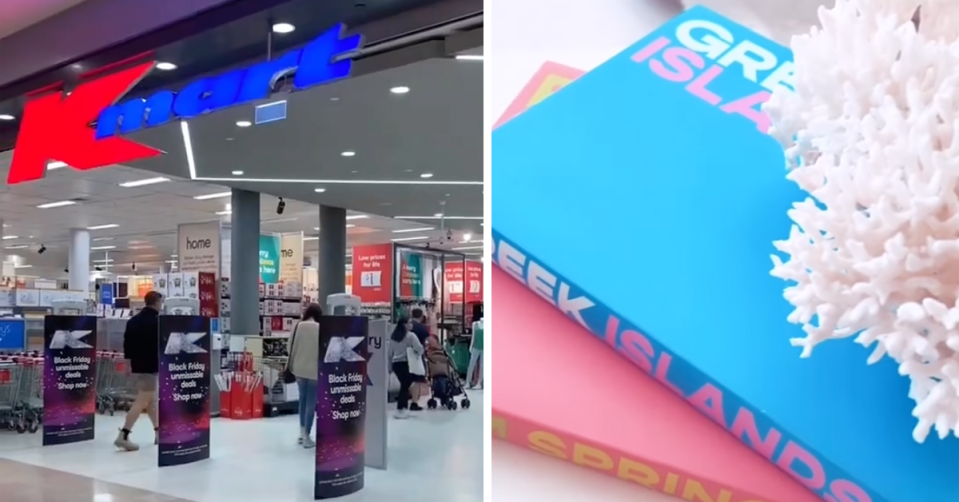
468,282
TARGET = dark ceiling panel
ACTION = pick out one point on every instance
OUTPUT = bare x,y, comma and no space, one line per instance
218,38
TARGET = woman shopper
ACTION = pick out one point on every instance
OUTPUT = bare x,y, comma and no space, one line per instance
403,345
303,361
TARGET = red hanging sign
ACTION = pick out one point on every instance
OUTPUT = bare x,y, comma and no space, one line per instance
373,273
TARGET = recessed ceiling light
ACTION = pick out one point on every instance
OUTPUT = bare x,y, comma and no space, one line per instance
348,154
311,238
319,190
166,66
334,98
283,28
105,238
243,123
400,89
357,217
10,237
415,238
467,237
56,165
18,246
467,248
217,195
224,213
5,116
148,181
62,203
103,227
469,57
23,266
438,216
407,230
102,248
237,173
426,175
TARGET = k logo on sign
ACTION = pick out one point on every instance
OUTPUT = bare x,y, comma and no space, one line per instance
180,343
72,339
343,349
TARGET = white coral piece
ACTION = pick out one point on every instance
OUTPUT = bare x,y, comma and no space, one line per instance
872,134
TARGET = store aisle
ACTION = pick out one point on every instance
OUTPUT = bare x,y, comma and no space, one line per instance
434,457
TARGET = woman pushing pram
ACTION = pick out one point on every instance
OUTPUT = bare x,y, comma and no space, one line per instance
446,383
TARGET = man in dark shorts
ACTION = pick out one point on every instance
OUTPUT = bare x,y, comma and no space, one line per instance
140,342
419,328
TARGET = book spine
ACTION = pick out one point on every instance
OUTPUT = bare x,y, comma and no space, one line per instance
607,459
732,412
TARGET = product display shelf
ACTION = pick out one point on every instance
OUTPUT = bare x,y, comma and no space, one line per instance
280,398
379,310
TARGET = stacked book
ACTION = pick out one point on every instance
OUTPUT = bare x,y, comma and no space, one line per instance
634,216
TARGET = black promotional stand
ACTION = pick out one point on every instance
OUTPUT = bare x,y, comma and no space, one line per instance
341,406
184,389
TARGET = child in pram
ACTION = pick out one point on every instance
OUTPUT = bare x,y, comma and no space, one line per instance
446,383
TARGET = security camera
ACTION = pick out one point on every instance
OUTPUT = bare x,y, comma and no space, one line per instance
98,269
449,235
66,270
43,249
280,206
134,266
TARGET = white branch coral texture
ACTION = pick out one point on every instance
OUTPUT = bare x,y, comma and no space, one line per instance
872,134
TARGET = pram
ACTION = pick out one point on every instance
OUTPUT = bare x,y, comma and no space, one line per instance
446,383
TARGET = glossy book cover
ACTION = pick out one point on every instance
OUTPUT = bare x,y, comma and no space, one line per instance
647,436
643,199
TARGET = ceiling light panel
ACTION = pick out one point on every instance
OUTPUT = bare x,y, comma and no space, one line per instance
103,227
414,238
144,182
61,203
218,195
407,230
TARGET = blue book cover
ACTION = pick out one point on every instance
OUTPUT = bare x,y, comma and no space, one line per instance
643,201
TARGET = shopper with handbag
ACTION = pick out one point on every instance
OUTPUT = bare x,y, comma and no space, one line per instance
303,364
406,357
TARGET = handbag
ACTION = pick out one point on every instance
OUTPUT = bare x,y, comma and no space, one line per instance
416,362
288,376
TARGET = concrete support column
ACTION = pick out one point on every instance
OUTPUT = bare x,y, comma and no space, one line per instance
79,260
245,263
332,257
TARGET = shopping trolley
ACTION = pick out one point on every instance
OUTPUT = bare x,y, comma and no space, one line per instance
116,388
21,393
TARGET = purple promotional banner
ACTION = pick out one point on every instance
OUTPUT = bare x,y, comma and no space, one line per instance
341,406
184,392
69,378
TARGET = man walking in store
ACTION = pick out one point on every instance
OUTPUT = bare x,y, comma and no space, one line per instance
140,342
422,332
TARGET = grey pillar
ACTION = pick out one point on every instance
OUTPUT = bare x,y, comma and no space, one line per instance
331,268
245,263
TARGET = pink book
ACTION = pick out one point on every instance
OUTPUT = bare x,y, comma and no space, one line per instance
564,394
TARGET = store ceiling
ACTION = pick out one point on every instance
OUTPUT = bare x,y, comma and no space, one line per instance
16,15
434,129
147,219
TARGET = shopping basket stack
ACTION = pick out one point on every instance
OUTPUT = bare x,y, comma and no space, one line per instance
21,392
